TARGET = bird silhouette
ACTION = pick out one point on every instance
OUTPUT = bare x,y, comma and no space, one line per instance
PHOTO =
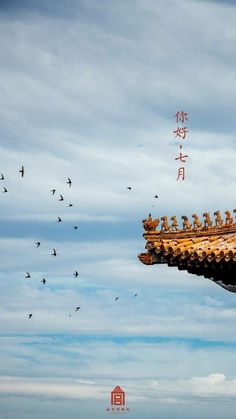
44,281
22,171
76,274
135,295
54,252
75,227
156,196
5,190
27,275
70,205
30,315
59,219
2,177
38,244
69,182
53,191
77,308
61,198
129,187
117,298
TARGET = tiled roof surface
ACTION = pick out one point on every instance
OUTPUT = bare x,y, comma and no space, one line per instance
204,250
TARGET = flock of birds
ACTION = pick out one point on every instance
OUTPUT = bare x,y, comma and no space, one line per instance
59,220
38,243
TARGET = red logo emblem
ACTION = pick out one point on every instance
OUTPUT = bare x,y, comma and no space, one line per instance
117,397
118,400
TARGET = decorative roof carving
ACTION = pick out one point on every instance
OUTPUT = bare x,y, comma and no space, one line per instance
149,224
196,221
200,248
174,224
207,221
197,226
229,219
145,258
218,220
165,226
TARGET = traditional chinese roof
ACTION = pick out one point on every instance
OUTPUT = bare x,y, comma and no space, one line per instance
205,248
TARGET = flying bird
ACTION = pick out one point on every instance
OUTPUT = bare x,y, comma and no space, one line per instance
117,298
156,196
77,308
76,274
5,190
2,177
54,252
59,219
129,187
27,275
44,281
38,244
75,227
30,315
69,182
135,295
22,171
53,191
70,205
61,198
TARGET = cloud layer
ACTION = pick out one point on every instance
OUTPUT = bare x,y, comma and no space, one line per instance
89,91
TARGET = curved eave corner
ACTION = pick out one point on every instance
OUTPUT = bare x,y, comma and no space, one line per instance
202,249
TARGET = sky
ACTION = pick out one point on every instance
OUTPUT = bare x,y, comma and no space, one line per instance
89,90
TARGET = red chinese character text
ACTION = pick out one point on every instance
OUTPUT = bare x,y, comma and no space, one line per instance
181,116
181,132
180,173
181,156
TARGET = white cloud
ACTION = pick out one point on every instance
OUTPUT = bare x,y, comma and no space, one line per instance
214,384
167,392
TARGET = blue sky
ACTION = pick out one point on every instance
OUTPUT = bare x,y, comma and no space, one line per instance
89,90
